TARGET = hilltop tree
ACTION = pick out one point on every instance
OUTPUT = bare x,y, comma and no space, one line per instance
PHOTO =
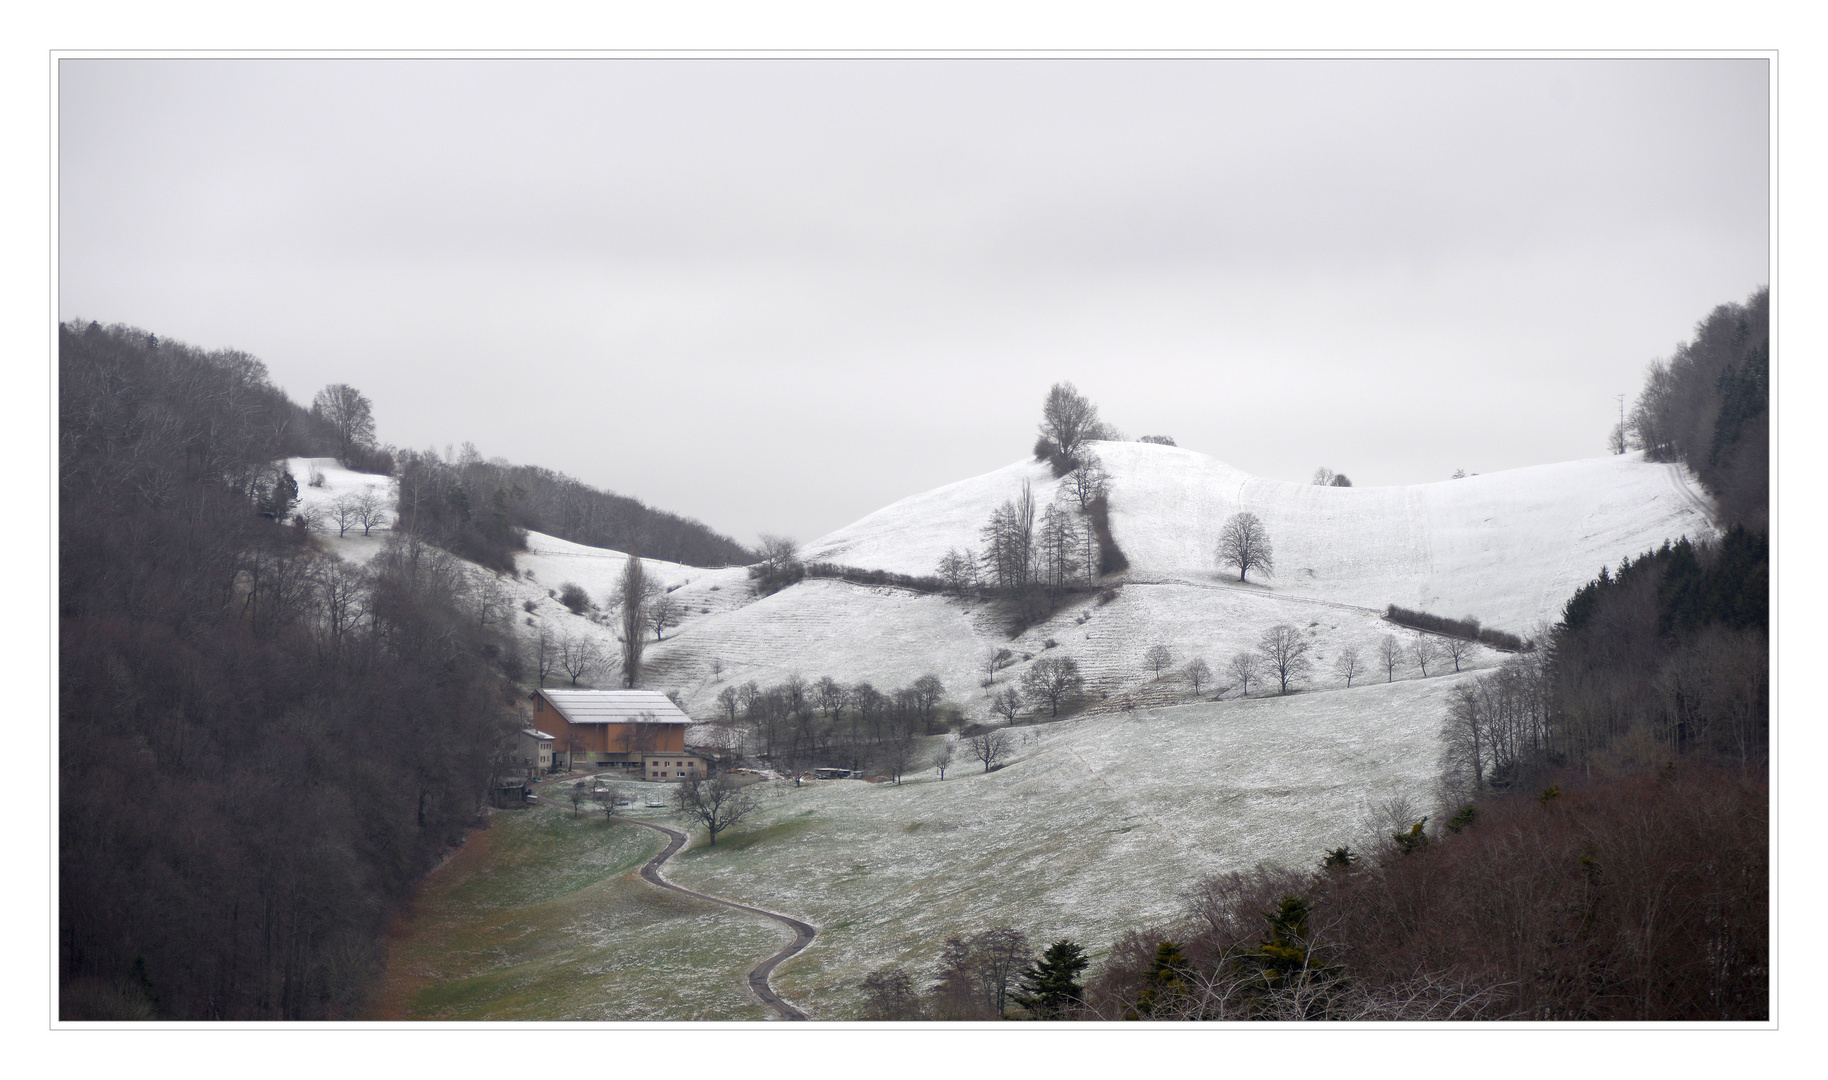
1244,543
1323,476
349,416
1069,420
1284,651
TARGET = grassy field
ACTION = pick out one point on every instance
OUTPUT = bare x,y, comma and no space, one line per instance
542,917
1097,826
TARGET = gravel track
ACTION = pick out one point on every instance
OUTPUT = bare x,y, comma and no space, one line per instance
758,975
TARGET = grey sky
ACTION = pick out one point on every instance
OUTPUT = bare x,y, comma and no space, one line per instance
776,295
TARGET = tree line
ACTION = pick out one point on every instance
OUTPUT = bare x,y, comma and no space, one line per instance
1708,407
261,747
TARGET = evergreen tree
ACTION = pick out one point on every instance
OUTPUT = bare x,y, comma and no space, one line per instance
1050,985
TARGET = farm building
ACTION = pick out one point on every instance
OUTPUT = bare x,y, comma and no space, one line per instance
615,728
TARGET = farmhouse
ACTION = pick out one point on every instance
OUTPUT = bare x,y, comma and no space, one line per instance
620,729
533,752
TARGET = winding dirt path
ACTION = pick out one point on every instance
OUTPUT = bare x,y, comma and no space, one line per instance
758,975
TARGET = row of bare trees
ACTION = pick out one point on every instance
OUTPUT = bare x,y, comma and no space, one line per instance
799,724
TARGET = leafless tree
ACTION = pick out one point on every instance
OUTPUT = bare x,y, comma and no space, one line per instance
1459,650
1158,658
663,611
1244,543
370,510
545,651
341,512
1284,651
1088,481
957,570
889,994
1389,655
1323,476
1055,680
1006,703
989,746
942,757
1423,650
1244,667
632,595
995,660
579,656
779,553
348,414
1069,420
1198,673
1348,663
716,803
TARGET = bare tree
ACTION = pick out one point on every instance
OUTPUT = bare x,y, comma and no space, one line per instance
716,803
995,660
989,746
1088,481
1055,680
632,594
780,554
369,510
1006,703
1069,420
1348,663
1244,667
1389,654
1459,650
341,512
1197,674
957,570
1323,476
578,794
348,414
942,757
663,611
1244,543
1158,658
1284,651
545,651
579,656
889,994
1424,649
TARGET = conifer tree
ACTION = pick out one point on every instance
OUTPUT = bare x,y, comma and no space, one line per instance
1050,985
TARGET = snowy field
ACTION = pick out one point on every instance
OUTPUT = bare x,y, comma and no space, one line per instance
1096,827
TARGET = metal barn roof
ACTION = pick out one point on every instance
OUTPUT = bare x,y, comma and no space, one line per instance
615,706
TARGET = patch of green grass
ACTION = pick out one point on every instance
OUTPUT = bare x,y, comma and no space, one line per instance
547,921
741,839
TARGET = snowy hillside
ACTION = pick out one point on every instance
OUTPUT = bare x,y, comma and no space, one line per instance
1506,547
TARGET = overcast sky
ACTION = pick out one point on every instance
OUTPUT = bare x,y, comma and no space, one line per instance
775,295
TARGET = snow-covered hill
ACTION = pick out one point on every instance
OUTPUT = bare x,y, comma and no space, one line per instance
1506,547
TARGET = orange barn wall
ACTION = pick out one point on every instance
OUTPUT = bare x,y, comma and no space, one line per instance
605,738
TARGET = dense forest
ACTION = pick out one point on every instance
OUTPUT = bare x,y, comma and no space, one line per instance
478,508
261,747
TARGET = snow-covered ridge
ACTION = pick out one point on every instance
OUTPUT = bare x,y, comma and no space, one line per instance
1507,547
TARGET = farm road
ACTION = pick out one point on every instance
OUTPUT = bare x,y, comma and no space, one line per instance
758,975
